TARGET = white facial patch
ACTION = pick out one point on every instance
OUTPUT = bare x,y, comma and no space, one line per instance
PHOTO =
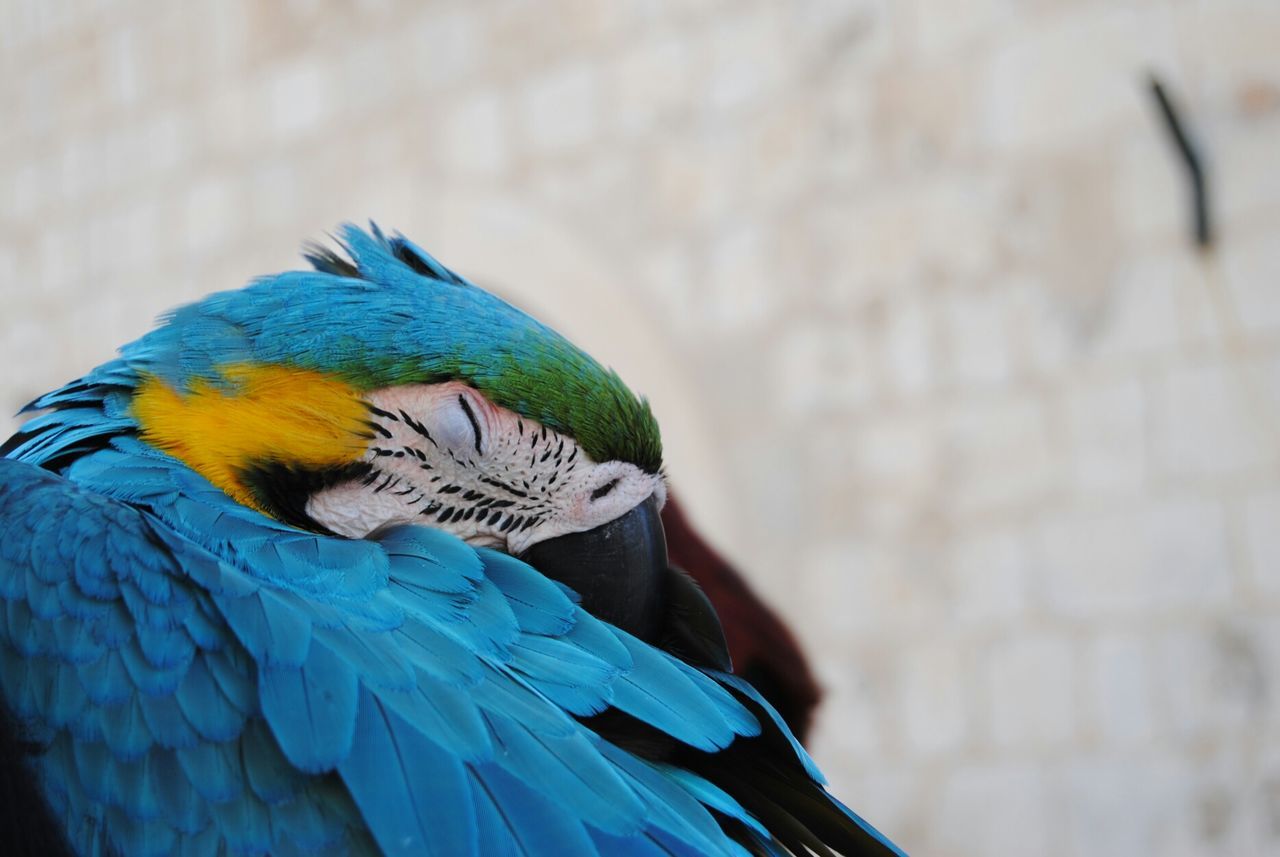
445,456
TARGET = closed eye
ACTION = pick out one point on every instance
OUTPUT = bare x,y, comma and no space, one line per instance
604,489
471,418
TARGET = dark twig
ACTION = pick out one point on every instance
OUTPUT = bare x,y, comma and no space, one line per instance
1190,158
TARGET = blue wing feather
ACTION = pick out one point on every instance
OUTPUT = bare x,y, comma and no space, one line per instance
535,824
415,795
233,673
573,679
269,774
635,846
572,768
166,721
165,648
312,709
205,706
67,699
105,680
145,674
379,664
244,825
271,631
437,653
182,808
711,795
75,644
447,713
659,693
210,679
539,606
675,810
205,631
211,769
125,730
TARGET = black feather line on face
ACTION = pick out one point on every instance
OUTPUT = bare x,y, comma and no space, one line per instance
471,417
282,490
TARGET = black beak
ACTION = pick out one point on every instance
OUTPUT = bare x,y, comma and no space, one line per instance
619,568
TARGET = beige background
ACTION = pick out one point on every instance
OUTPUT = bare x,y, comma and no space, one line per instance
909,282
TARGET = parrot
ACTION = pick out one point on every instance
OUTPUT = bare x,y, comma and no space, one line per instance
362,559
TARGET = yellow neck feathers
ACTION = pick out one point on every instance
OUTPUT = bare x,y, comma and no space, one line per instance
263,414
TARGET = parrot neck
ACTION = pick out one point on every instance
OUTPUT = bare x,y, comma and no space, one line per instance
262,415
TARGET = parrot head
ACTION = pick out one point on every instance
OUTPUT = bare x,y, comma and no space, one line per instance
385,389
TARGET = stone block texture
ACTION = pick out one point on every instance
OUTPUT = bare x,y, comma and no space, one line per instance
911,287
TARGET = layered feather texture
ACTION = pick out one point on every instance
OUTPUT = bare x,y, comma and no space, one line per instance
200,674
201,678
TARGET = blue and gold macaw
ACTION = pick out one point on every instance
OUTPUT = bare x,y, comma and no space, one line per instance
363,560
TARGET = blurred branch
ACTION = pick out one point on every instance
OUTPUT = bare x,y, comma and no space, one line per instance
1190,159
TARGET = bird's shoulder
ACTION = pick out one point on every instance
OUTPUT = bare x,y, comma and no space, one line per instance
409,682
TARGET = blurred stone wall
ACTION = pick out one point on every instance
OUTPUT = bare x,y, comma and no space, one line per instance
910,283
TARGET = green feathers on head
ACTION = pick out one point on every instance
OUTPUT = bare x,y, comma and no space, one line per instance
562,388
394,315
